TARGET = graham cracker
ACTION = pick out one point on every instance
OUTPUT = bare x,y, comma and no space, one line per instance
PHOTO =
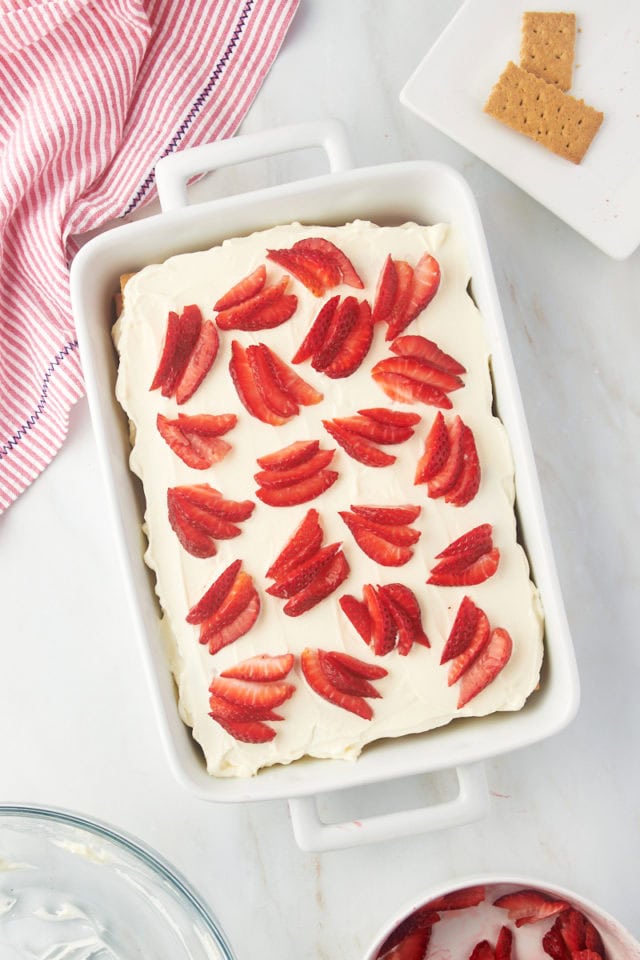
547,46
119,297
544,113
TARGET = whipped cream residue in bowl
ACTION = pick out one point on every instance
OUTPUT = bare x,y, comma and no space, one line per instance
75,890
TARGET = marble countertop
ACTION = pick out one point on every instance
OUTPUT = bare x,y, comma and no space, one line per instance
78,730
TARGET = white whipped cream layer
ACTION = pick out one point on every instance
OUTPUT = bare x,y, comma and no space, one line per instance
415,694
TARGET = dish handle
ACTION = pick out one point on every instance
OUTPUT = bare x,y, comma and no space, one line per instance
471,803
174,171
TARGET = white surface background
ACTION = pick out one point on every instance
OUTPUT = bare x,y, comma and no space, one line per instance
77,730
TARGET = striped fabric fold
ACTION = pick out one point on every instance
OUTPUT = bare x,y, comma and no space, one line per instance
93,93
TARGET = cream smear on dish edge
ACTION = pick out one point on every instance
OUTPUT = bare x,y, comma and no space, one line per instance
415,695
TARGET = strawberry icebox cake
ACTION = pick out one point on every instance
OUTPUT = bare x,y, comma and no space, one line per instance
329,493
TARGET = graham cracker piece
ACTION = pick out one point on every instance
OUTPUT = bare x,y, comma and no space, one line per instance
544,113
547,46
119,297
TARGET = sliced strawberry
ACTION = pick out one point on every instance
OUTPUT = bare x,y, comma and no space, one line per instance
235,616
459,899
216,527
270,315
208,498
208,449
318,681
261,668
419,370
317,334
471,575
355,346
383,627
348,273
406,390
197,451
383,552
466,486
412,947
206,424
572,927
403,624
436,451
356,612
450,474
305,269
344,680
195,541
462,631
400,535
189,326
169,348
266,380
470,545
356,447
294,386
359,668
481,636
427,350
225,710
237,598
421,919
320,588
248,693
199,515
267,309
554,945
300,492
528,906
291,456
385,291
200,362
253,731
236,628
484,669
284,478
215,595
592,939
482,951
424,286
245,289
397,418
395,317
247,388
402,514
400,597
384,433
504,944
343,322
469,560
301,574
303,543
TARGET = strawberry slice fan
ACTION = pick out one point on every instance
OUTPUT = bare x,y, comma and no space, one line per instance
306,572
59,181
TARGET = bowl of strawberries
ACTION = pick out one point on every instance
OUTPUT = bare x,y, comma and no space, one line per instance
503,918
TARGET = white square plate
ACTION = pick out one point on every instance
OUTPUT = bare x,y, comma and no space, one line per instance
600,198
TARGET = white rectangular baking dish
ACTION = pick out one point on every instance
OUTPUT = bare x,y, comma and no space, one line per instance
420,191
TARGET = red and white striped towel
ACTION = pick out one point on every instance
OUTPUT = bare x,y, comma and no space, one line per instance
92,94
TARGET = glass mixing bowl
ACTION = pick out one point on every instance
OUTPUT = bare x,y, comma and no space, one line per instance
79,890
